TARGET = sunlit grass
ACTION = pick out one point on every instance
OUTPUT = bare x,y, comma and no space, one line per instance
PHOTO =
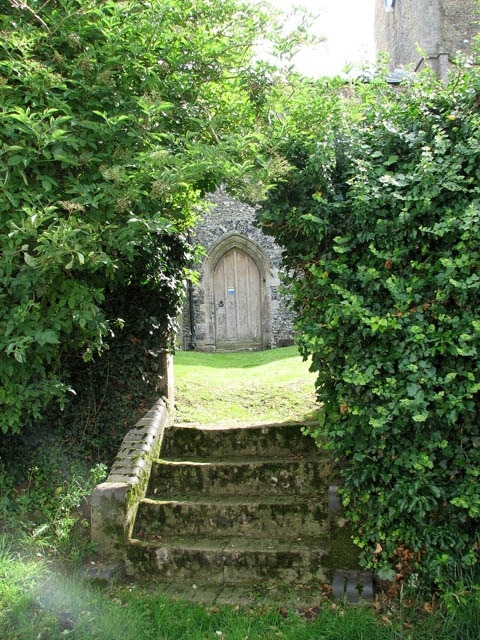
244,387
17,575
39,603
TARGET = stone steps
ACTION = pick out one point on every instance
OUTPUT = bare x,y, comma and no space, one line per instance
235,508
240,476
249,516
268,593
184,442
225,560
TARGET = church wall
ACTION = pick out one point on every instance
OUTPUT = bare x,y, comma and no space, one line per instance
435,29
231,220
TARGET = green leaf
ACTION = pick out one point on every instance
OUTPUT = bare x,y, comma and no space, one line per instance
47,336
30,260
386,573
14,160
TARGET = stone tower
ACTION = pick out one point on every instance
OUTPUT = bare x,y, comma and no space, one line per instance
425,32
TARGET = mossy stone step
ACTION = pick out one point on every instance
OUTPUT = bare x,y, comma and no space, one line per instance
253,517
305,599
270,440
240,476
241,509
232,561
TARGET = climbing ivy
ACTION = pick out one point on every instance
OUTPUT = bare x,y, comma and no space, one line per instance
380,220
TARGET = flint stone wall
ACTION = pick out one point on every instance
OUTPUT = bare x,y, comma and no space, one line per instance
230,218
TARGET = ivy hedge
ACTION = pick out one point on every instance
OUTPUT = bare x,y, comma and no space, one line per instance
380,221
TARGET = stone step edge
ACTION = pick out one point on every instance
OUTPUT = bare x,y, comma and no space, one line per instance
234,544
232,426
354,587
236,501
286,457
236,461
264,594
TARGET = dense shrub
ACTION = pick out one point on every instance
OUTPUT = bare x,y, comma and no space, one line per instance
115,118
380,220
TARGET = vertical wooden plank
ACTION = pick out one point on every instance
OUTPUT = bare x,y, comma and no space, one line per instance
219,301
237,297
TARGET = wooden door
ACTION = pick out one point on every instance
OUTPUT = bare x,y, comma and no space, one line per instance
238,304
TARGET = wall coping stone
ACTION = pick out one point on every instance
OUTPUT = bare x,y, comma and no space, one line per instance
115,501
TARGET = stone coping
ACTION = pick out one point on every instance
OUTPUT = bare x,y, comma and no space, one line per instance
115,501
140,446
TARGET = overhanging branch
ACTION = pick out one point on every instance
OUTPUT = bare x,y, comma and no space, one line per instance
23,6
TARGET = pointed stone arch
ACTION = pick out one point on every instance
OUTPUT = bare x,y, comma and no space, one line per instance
230,225
231,240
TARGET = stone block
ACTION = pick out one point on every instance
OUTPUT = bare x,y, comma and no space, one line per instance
98,572
354,587
334,502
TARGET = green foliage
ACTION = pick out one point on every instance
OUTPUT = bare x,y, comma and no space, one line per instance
36,602
460,610
115,118
48,511
380,223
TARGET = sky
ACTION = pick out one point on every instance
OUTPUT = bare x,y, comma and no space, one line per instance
347,26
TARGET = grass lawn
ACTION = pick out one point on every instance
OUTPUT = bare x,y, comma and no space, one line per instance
36,603
245,387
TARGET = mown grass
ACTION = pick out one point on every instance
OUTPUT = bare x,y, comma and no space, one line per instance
244,387
36,603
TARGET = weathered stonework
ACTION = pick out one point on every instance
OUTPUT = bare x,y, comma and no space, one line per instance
425,32
230,224
115,501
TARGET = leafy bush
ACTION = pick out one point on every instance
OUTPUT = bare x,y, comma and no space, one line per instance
115,117
380,220
48,512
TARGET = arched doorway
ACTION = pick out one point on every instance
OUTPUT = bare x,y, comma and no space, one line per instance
230,224
236,307
237,297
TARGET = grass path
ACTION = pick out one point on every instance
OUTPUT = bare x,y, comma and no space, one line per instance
245,387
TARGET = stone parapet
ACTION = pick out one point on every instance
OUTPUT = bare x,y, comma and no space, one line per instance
115,501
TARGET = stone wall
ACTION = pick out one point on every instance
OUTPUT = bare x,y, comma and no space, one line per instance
415,32
229,222
114,502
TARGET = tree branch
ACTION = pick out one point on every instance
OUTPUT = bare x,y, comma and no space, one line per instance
23,6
